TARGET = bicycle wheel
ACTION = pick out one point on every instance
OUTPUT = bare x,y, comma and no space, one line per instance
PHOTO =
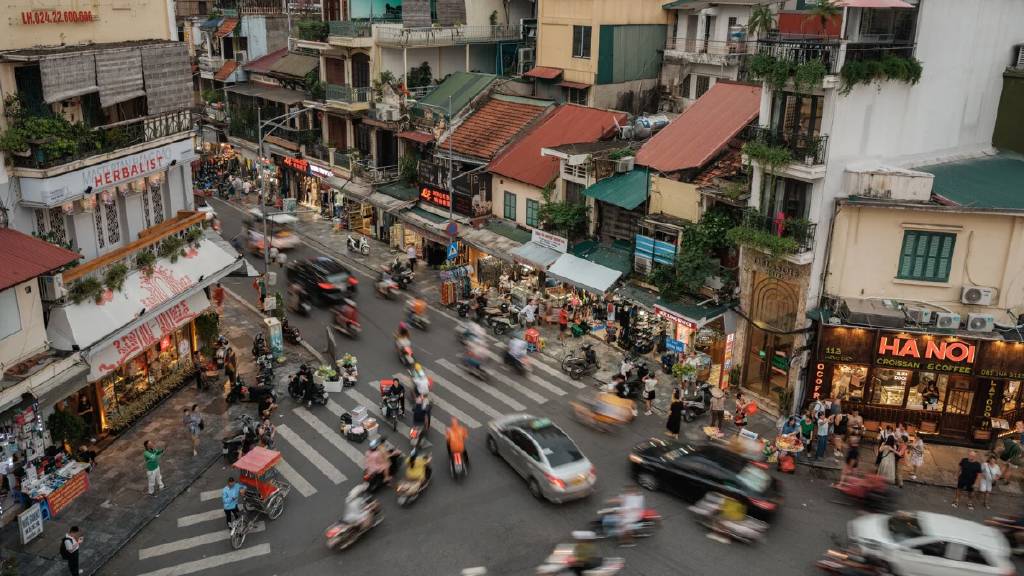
238,534
275,507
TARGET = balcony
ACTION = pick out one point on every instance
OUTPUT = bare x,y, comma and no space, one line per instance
364,170
191,8
350,33
700,51
798,51
250,7
76,142
286,137
311,30
348,97
791,238
804,148
397,36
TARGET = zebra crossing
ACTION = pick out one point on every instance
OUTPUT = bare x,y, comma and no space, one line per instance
317,458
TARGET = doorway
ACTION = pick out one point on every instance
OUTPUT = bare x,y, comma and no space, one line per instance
360,70
768,357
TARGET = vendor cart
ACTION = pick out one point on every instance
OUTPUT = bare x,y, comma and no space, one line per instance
264,491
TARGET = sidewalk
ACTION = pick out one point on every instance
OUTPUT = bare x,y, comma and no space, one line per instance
116,506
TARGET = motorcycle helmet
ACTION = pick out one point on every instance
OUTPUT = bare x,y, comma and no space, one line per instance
403,327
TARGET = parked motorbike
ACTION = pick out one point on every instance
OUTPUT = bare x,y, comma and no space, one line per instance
698,406
502,319
409,491
748,531
341,535
239,392
361,245
462,307
649,521
291,333
404,278
259,346
849,563
240,438
560,562
578,366
297,390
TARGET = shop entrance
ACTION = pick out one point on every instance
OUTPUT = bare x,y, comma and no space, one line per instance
768,357
957,419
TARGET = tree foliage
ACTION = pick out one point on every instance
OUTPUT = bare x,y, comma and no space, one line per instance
695,260
568,218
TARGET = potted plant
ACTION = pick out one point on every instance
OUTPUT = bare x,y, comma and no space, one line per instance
328,377
145,261
115,276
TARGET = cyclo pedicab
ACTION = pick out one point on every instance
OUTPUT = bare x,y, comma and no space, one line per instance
264,491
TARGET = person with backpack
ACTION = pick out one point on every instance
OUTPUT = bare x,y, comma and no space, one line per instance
69,549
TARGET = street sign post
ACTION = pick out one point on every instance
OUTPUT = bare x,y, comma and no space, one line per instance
452,229
453,251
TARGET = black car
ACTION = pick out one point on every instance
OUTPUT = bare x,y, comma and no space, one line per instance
326,280
690,472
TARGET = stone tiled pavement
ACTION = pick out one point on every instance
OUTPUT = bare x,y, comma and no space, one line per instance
116,506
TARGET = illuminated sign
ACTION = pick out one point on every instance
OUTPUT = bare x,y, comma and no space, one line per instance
925,353
34,17
819,380
321,172
677,318
296,163
463,202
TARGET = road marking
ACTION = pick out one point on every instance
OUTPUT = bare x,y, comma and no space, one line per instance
364,401
311,454
295,479
201,517
557,373
447,406
212,561
193,542
210,494
466,396
335,408
511,383
331,435
501,396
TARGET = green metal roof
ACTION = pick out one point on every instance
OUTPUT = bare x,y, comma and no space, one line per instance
510,232
684,307
427,215
399,190
989,182
618,256
678,4
462,87
627,190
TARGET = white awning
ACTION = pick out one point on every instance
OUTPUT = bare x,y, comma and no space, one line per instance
533,254
275,218
583,274
142,298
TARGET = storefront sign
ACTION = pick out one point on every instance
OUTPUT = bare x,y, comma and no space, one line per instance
988,405
674,345
730,343
775,269
1001,360
924,352
847,345
819,380
674,317
33,17
297,164
549,240
126,169
463,202
320,172
66,494
30,523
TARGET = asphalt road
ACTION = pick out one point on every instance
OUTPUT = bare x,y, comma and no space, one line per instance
490,519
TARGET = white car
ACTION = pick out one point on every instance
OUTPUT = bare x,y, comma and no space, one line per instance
927,544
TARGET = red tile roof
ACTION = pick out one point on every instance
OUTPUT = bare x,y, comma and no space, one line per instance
226,27
262,65
23,257
544,73
699,133
493,126
567,124
417,136
226,70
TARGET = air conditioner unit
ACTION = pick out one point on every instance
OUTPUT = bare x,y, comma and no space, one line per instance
625,164
527,56
919,316
242,56
392,115
52,287
977,295
947,320
980,322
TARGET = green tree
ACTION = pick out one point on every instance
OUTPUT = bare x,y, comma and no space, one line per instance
824,11
569,218
761,22
66,427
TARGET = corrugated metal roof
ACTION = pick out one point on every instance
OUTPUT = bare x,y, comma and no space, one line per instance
627,190
226,27
493,126
463,87
23,257
988,182
400,190
544,72
272,93
417,136
294,65
699,133
226,70
567,124
262,65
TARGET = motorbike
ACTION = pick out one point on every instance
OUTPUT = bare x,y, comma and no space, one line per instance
391,409
694,408
404,278
748,531
386,288
341,535
375,481
291,333
476,368
561,560
462,308
420,321
259,346
297,390
1007,525
361,245
409,491
299,303
351,329
458,467
518,363
405,355
578,366
239,392
849,563
668,360
649,521
868,492
239,439
503,319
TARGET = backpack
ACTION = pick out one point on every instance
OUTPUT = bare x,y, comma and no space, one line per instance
64,549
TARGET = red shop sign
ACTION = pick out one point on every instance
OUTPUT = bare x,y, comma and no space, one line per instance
670,315
297,163
436,197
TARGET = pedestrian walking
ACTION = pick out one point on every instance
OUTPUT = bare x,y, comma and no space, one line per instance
970,469
197,363
675,417
191,421
717,407
229,497
900,454
989,474
69,546
650,384
916,450
217,295
822,429
887,460
151,455
410,253
839,431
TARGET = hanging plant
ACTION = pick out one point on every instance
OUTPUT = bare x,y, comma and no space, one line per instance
809,75
194,236
172,248
115,276
763,240
84,289
771,157
907,70
145,261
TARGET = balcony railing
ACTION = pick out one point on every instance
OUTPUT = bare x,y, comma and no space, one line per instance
318,151
722,48
363,170
446,36
250,7
800,50
106,139
804,147
149,240
190,8
421,92
861,51
347,94
350,28
763,227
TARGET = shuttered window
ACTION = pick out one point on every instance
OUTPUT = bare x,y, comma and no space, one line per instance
532,213
926,256
510,205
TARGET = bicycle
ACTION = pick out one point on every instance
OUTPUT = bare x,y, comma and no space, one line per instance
242,525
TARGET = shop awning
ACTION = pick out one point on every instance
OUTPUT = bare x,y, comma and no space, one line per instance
490,242
426,224
627,190
81,326
583,274
61,385
272,93
533,254
544,73
576,85
48,373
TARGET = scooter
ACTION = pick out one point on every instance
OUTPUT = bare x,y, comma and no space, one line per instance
297,390
560,561
518,363
849,563
699,406
404,278
458,467
291,333
241,393
375,481
405,355
475,367
241,438
462,308
259,346
748,531
409,491
341,535
361,245
386,288
349,328
503,319
420,321
578,366
649,521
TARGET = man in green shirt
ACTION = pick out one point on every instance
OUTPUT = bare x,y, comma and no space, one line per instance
152,456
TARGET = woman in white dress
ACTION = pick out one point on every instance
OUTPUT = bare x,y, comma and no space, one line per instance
887,460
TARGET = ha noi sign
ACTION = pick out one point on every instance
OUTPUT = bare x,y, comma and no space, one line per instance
925,352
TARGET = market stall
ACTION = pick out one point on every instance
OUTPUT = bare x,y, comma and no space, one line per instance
61,483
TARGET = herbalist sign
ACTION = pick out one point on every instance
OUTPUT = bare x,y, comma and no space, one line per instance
847,345
926,352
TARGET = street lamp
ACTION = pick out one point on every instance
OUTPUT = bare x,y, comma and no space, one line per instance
276,122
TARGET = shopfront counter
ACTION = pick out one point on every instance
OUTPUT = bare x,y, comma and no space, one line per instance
56,491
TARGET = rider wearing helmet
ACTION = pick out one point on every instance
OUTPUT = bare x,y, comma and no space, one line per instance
376,463
420,380
416,307
456,437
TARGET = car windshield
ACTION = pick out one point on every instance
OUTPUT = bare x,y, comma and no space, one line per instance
904,527
556,446
754,479
337,278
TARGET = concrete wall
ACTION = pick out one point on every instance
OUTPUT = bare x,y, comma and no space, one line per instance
32,336
114,21
523,192
443,60
633,97
989,251
679,199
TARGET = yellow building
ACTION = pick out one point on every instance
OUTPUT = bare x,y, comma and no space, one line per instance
602,53
28,24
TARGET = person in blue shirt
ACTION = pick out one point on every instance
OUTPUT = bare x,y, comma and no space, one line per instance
790,428
230,495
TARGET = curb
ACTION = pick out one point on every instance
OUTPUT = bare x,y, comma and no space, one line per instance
309,347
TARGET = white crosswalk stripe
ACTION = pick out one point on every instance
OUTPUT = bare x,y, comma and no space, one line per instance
335,408
301,485
555,372
328,469
212,561
462,393
485,387
200,517
443,404
511,383
210,495
331,435
375,409
193,542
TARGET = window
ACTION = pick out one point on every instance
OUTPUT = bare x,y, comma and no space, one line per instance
510,205
524,443
797,115
926,256
974,556
703,83
888,386
936,549
573,191
848,381
576,95
684,90
581,41
10,316
532,213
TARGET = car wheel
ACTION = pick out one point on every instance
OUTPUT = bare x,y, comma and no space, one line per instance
535,489
492,445
647,481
